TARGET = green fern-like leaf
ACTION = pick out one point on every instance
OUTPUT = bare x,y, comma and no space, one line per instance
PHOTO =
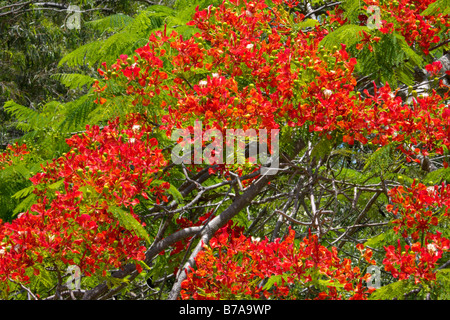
351,175
443,277
23,192
322,148
110,23
14,171
134,33
308,23
380,160
405,74
351,8
87,53
28,119
393,290
410,53
25,204
440,6
78,113
114,107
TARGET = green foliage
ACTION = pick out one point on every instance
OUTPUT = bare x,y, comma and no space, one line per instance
277,279
381,239
392,60
40,126
348,34
308,23
322,148
77,112
74,80
351,9
12,180
351,175
134,32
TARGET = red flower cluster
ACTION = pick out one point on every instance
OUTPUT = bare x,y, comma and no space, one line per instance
233,266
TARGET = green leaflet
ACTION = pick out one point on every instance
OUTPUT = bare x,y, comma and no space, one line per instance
323,148
129,33
443,277
393,290
44,281
351,8
77,113
113,22
441,6
435,177
380,160
24,192
410,53
330,283
308,23
375,240
405,74
346,34
56,185
351,175
85,53
129,222
118,105
134,32
25,204
12,171
275,279
28,198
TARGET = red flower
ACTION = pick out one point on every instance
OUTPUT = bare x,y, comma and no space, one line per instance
434,68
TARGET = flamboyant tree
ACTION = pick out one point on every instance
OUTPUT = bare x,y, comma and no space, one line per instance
361,176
